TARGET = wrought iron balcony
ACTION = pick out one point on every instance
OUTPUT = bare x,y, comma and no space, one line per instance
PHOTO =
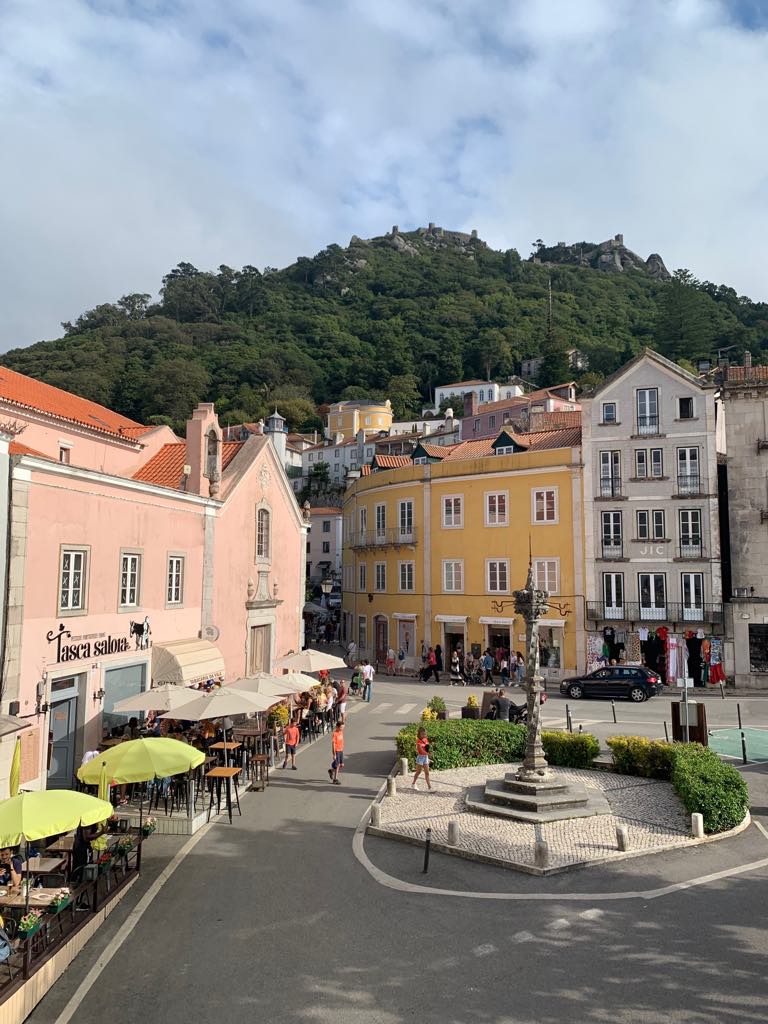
691,547
395,536
610,486
613,547
671,612
688,483
647,424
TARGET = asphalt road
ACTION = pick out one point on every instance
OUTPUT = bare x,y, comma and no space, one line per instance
274,919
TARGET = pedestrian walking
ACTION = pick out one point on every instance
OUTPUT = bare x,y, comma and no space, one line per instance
487,664
456,677
291,742
351,653
439,657
431,668
341,700
367,680
520,667
422,758
337,745
504,667
391,661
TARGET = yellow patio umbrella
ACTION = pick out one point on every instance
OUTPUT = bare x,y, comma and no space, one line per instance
104,786
15,776
142,760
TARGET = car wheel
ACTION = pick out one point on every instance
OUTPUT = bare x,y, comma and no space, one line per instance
637,694
575,692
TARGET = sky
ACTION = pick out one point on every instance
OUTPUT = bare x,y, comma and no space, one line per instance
140,133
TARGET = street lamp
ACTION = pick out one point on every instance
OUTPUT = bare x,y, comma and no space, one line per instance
326,585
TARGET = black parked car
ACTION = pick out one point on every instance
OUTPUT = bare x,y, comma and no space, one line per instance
631,681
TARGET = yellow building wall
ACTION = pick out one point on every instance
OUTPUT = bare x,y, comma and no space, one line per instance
474,543
348,420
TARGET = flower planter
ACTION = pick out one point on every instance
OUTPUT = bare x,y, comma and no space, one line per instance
442,716
56,908
470,712
29,932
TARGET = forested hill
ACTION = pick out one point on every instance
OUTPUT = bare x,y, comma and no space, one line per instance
392,316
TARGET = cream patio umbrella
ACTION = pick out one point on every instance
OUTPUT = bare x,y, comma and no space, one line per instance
164,697
220,703
311,661
264,684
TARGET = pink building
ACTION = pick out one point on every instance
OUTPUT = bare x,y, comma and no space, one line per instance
533,411
135,557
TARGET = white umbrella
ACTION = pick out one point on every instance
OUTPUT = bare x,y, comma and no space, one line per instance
298,682
220,703
311,661
164,697
264,684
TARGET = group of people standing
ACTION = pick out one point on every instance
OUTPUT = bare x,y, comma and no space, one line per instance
467,669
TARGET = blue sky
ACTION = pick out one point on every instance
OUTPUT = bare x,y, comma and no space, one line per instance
138,133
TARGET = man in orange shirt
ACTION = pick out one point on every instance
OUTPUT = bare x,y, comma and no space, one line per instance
337,743
291,742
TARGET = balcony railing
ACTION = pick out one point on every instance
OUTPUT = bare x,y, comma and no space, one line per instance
392,537
612,547
688,483
691,547
672,611
647,424
610,486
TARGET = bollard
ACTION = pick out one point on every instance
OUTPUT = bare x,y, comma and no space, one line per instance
568,722
404,770
613,709
427,844
738,713
697,825
666,732
391,786
453,833
622,837
376,815
541,853
743,748
722,691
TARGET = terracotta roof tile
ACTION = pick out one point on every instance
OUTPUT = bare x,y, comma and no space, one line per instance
325,510
28,393
557,420
17,448
392,461
469,449
365,471
735,374
435,451
166,468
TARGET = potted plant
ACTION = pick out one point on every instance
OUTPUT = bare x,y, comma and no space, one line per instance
29,924
148,826
277,717
428,715
471,709
59,901
104,861
124,846
437,704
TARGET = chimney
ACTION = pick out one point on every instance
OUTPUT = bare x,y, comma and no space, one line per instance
204,451
470,403
277,430
747,365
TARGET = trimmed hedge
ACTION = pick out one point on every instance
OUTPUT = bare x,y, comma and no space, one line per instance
463,743
703,782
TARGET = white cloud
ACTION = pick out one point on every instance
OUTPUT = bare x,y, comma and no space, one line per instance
137,133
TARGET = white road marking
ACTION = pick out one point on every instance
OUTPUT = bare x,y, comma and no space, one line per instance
559,924
522,937
757,823
405,709
353,709
382,707
128,925
592,915
485,950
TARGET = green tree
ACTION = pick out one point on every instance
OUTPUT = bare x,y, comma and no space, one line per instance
492,352
685,325
174,386
403,392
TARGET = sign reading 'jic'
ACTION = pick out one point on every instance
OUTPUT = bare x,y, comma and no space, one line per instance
84,647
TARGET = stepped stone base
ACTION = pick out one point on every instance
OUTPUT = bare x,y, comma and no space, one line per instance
551,799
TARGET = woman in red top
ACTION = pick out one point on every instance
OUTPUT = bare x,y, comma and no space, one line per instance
422,757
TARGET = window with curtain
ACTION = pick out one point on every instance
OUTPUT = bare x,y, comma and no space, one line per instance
263,533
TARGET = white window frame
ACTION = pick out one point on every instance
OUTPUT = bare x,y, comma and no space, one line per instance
130,563
544,491
405,519
694,610
496,517
454,520
380,517
656,463
654,611
362,577
406,573
174,580
83,553
452,563
263,545
380,577
658,516
497,567
551,571
641,463
609,405
613,595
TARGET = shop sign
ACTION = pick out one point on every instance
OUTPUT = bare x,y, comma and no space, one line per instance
81,648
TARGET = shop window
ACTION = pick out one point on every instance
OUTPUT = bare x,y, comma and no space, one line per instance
758,647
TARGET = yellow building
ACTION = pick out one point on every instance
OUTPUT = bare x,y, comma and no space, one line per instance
434,546
347,418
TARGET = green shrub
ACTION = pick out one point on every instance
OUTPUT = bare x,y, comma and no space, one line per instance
463,742
708,786
570,750
637,755
437,704
704,784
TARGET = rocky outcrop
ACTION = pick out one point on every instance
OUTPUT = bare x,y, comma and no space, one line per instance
611,257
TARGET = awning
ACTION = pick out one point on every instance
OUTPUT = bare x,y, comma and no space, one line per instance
452,618
10,724
491,620
185,662
408,616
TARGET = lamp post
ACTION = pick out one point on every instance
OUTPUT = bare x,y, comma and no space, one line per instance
531,604
326,586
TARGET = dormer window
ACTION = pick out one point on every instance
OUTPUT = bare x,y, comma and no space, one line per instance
506,450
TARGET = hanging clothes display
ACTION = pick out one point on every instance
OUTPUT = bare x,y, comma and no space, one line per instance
595,656
633,649
716,672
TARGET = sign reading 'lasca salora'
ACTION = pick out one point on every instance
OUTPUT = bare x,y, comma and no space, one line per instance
81,648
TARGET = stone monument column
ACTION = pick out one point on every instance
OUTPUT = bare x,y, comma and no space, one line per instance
531,604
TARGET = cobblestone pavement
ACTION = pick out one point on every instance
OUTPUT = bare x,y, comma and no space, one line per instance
649,808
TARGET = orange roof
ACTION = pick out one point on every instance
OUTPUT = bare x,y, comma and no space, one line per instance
435,451
28,393
540,441
365,471
557,420
392,461
570,437
521,400
469,449
736,374
325,510
16,448
166,468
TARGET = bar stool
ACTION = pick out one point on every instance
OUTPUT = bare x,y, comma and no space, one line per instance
260,771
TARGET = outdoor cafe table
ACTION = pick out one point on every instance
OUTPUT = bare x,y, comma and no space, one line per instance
42,865
217,776
37,898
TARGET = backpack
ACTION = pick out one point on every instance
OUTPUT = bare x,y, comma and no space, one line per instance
5,946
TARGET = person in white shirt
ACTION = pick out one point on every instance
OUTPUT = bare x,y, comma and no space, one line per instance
351,653
391,661
367,680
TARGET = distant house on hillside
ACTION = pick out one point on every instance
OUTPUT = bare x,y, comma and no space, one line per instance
577,361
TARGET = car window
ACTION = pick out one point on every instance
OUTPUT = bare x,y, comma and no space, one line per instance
602,673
